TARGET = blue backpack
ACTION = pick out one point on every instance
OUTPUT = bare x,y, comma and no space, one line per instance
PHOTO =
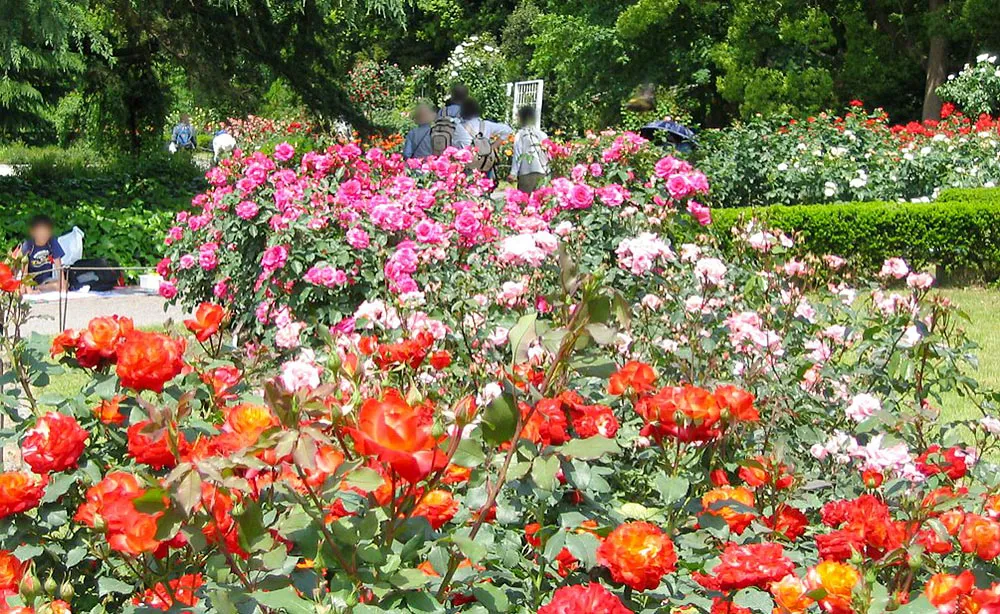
183,135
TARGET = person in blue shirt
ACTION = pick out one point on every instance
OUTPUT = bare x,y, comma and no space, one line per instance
418,140
183,136
44,256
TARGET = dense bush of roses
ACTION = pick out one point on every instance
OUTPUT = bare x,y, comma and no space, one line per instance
854,157
565,403
976,89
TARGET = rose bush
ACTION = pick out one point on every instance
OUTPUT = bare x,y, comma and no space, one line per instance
854,157
569,402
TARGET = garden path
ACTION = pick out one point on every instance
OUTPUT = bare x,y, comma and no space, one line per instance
146,310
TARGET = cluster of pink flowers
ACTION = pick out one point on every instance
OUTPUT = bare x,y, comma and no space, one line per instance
642,253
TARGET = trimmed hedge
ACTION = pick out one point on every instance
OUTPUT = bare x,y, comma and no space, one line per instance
959,233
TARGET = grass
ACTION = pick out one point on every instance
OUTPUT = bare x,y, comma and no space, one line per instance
981,305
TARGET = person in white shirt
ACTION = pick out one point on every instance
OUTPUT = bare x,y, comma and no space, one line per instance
530,162
470,124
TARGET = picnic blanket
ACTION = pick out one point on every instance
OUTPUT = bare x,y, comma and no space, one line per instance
52,297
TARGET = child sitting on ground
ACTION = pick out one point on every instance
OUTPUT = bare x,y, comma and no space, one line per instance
44,256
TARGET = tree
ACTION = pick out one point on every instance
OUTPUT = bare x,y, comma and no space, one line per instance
41,43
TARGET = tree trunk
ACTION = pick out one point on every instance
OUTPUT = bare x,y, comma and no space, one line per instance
937,62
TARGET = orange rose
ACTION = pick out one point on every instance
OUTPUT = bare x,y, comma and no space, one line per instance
438,507
98,344
942,589
838,581
207,319
738,520
8,283
638,554
250,420
398,435
11,570
55,444
980,535
109,411
146,361
20,491
737,402
115,486
635,376
134,534
790,595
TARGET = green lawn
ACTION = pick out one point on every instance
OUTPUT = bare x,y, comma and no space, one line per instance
981,305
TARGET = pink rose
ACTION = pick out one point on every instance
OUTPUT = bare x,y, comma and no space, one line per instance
284,152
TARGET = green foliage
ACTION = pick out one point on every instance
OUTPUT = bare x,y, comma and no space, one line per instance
960,232
123,207
477,63
976,89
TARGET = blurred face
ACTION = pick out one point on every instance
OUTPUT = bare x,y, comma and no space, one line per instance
424,115
41,233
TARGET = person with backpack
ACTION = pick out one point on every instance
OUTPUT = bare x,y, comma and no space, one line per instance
481,136
183,136
530,162
418,140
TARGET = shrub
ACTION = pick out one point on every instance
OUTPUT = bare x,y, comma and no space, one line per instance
856,157
130,235
976,89
476,62
960,232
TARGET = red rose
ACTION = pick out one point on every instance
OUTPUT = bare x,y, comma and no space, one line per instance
749,565
146,361
788,521
153,450
8,283
584,599
441,359
635,376
207,319
11,571
438,507
54,444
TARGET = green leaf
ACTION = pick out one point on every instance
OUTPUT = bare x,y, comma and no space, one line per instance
188,491
672,489
285,599
150,501
521,336
543,471
106,585
591,448
58,487
755,599
469,454
473,550
492,597
500,420
601,333
364,478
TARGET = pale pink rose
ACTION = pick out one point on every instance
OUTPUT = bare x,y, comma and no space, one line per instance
863,406
920,281
894,267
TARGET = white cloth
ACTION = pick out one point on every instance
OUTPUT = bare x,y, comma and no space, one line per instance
467,129
529,155
72,246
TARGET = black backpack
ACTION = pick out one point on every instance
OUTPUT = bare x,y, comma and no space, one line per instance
100,274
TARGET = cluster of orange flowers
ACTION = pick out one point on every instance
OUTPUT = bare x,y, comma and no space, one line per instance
143,360
686,413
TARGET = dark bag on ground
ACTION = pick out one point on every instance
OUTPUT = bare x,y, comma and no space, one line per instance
100,274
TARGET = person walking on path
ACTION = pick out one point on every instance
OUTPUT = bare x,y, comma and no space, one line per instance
530,162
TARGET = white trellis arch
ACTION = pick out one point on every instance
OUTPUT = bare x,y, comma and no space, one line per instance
526,93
